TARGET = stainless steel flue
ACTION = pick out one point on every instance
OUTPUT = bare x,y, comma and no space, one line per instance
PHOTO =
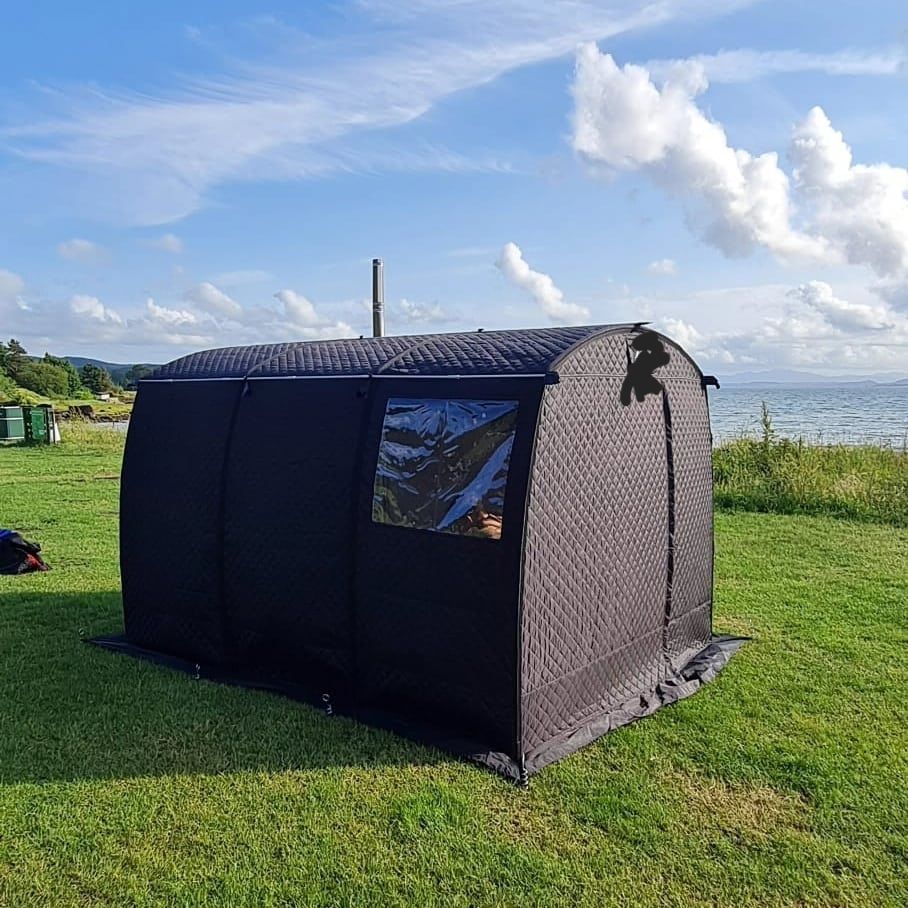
378,298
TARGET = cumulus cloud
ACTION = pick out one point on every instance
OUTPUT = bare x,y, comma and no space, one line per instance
301,316
843,315
170,317
421,313
663,267
168,242
11,285
809,325
738,201
91,307
539,286
860,210
85,252
212,299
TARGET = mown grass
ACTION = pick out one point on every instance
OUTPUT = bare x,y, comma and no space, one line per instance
122,783
782,476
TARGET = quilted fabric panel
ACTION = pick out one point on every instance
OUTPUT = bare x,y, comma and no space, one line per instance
607,355
487,352
693,536
596,555
475,353
170,565
612,680
343,357
225,362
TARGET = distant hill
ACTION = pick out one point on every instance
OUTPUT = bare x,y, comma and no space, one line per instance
772,378
117,370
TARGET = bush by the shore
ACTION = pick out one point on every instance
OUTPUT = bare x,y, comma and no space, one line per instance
791,477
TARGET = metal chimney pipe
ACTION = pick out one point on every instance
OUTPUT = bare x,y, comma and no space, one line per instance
378,298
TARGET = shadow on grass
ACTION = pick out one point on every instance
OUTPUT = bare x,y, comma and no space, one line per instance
71,711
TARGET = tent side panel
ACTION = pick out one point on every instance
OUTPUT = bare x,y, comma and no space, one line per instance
436,612
288,534
169,517
690,607
596,559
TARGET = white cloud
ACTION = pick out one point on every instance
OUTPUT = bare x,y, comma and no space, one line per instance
85,252
539,285
663,267
623,121
211,298
745,65
299,112
860,210
841,314
894,291
168,242
172,318
300,315
739,202
809,325
421,313
11,286
91,307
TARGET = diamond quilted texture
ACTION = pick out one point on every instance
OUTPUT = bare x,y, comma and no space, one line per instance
596,554
693,536
475,353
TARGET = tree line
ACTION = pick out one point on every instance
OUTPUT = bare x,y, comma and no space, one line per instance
56,377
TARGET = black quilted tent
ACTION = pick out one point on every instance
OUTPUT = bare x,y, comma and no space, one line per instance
497,542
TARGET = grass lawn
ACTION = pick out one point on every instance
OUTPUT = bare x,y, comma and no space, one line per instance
785,782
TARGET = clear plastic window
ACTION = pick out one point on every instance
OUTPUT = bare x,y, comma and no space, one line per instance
443,465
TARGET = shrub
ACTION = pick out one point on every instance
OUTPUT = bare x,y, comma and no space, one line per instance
790,477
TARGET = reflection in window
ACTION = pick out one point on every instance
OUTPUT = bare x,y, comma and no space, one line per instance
443,465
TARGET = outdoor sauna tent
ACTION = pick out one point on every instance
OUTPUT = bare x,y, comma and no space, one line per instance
469,538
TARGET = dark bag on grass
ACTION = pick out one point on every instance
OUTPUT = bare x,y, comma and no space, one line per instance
18,555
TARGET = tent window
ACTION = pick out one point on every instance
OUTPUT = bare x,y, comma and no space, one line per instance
443,465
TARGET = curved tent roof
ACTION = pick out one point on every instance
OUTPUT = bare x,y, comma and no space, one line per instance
528,352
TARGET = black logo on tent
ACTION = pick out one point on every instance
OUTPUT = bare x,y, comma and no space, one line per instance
645,354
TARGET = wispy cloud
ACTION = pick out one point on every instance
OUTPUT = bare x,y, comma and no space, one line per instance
168,242
663,268
745,65
155,157
84,252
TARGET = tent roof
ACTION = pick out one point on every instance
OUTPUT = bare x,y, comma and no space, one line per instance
528,351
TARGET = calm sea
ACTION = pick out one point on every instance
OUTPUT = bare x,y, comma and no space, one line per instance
876,414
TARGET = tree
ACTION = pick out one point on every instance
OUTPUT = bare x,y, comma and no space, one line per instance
135,374
96,379
74,380
13,356
43,378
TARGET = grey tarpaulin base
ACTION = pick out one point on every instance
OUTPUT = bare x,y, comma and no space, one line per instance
702,668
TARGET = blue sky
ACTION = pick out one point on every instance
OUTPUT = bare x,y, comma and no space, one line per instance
183,175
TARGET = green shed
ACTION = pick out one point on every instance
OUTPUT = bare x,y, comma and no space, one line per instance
12,424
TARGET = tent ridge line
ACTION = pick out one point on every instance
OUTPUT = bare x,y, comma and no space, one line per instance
670,539
221,527
521,588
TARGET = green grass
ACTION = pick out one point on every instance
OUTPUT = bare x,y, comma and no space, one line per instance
122,783
785,477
